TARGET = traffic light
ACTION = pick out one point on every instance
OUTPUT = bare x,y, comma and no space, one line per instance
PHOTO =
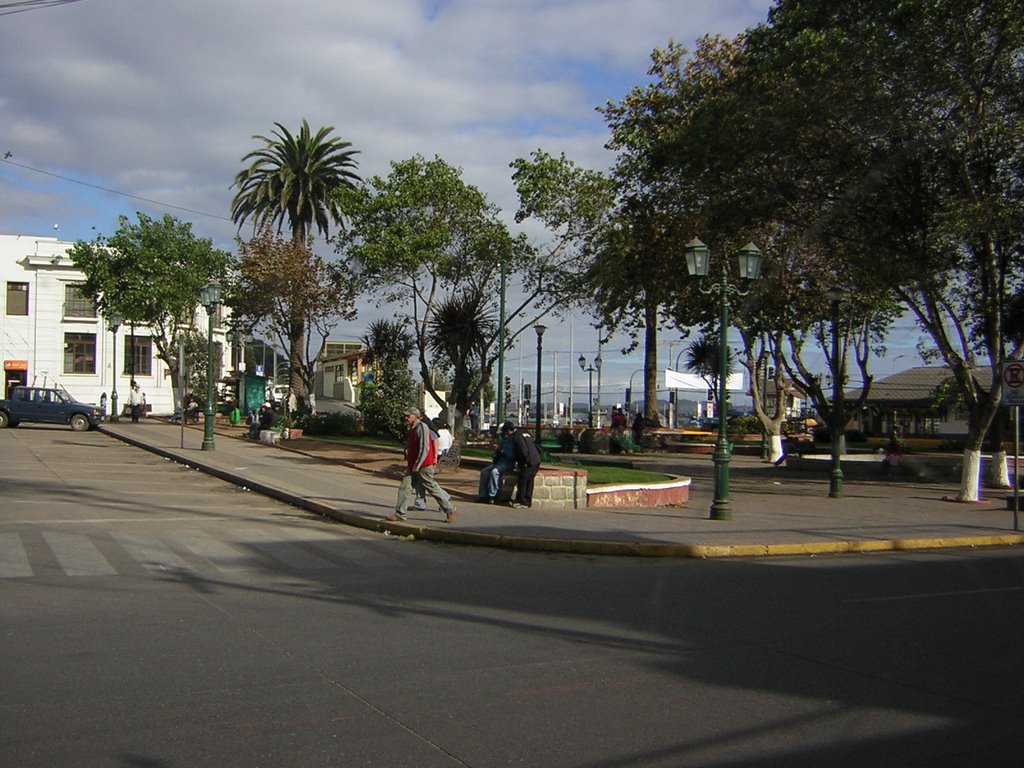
508,389
527,392
629,393
711,394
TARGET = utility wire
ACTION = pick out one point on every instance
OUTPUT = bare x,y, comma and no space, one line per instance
7,159
8,9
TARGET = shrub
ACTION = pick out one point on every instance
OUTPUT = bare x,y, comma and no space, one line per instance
329,424
746,425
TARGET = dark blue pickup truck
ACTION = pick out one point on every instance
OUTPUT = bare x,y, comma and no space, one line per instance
48,406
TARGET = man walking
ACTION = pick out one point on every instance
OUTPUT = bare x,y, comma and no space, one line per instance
420,459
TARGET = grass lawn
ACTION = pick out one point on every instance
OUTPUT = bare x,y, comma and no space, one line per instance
602,474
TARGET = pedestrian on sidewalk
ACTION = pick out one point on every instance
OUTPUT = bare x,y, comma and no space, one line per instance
420,460
135,401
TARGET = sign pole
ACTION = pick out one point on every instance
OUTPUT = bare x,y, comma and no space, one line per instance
1016,467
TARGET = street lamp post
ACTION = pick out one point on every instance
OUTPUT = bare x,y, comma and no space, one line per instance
113,323
540,348
697,259
209,297
835,483
589,370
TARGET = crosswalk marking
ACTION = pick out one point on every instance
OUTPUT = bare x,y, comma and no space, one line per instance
289,553
222,555
13,558
247,549
77,555
151,553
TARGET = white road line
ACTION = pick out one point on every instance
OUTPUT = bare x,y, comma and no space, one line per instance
221,555
929,595
77,555
151,553
287,552
13,558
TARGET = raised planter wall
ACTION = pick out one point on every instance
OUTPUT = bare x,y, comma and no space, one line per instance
552,488
647,495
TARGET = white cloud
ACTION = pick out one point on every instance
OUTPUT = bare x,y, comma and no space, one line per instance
161,99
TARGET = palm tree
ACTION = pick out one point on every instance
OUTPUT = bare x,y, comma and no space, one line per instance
702,358
388,343
292,180
460,332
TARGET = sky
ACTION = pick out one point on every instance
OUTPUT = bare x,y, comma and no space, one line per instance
108,107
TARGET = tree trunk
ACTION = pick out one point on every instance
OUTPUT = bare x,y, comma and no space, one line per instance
775,447
997,475
970,475
651,416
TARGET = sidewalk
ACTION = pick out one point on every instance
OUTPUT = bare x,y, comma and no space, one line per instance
775,511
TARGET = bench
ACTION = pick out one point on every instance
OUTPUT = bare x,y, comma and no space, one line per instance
450,459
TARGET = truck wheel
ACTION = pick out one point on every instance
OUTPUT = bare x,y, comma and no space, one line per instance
5,420
79,423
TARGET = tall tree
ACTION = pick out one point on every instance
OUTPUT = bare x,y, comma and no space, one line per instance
902,123
461,332
283,288
150,272
291,181
422,236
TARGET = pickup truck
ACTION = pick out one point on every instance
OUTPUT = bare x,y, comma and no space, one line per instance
48,406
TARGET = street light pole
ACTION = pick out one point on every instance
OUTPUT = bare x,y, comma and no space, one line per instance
113,323
589,370
835,484
209,297
697,258
540,350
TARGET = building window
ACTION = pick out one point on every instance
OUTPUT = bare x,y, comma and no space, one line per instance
138,359
79,353
77,304
17,298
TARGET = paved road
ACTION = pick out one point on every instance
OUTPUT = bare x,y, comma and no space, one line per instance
154,616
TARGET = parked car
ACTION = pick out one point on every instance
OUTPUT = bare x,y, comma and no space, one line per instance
45,405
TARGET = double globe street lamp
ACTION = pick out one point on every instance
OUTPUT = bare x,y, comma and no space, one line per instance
113,323
209,297
697,263
590,369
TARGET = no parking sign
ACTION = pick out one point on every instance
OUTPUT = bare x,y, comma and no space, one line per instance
1013,383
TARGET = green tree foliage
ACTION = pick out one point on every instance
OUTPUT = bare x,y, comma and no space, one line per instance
150,272
284,288
900,124
381,401
292,180
461,332
421,237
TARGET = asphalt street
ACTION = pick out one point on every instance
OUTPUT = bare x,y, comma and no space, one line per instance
156,616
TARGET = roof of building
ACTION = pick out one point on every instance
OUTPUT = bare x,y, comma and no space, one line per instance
914,386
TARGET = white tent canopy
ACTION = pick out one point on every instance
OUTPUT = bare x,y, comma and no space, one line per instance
676,380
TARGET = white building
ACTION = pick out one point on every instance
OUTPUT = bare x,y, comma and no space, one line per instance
51,334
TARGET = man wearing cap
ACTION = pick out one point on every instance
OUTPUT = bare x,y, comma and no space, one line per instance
420,459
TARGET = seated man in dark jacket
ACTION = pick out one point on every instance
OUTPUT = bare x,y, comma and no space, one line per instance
527,461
